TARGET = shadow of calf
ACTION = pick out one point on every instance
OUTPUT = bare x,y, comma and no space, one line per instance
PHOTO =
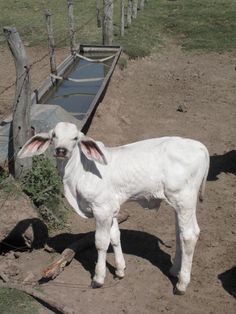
222,163
28,234
228,280
136,243
32,233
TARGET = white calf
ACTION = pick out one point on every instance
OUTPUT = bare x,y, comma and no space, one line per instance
98,179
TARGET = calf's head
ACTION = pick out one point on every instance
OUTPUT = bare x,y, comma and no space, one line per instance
65,137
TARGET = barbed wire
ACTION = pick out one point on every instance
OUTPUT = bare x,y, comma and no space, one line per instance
61,41
41,58
61,284
14,154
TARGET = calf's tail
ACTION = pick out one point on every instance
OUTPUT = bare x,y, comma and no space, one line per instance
203,184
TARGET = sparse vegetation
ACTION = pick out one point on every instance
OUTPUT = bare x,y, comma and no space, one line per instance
16,302
3,176
122,63
43,185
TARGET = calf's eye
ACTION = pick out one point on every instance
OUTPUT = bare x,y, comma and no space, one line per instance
75,138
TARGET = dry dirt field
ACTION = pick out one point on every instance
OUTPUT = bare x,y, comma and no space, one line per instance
169,93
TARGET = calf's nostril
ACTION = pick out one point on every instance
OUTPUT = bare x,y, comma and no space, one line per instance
61,151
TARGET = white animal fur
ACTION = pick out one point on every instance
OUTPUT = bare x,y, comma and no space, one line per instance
98,179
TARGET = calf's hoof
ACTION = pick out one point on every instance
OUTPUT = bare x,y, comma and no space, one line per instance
120,274
95,284
178,292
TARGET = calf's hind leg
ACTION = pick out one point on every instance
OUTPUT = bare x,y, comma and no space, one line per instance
175,269
188,233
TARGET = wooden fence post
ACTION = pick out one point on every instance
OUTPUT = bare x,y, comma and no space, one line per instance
98,14
72,26
141,4
20,128
108,22
51,43
122,18
134,9
129,13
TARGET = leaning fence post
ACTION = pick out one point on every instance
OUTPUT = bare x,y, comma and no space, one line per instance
108,22
129,13
51,43
20,128
122,18
72,26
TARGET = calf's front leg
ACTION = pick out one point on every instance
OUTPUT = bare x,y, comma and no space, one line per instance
102,241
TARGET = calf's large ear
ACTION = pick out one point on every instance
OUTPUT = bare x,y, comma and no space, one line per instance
35,146
92,151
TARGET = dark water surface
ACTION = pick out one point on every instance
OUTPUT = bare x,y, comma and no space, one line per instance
76,97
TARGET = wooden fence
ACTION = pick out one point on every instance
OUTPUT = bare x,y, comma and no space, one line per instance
21,126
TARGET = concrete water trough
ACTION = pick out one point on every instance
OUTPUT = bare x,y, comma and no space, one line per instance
72,94
80,82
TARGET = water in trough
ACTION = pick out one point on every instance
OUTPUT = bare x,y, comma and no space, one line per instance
77,97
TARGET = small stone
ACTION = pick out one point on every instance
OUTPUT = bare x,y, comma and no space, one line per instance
29,278
17,254
182,108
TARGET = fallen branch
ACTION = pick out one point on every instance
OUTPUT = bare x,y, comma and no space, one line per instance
54,269
61,308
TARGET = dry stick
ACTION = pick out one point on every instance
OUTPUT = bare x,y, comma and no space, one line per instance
39,296
54,269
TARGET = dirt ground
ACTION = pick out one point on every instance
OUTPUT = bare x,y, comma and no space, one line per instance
169,93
